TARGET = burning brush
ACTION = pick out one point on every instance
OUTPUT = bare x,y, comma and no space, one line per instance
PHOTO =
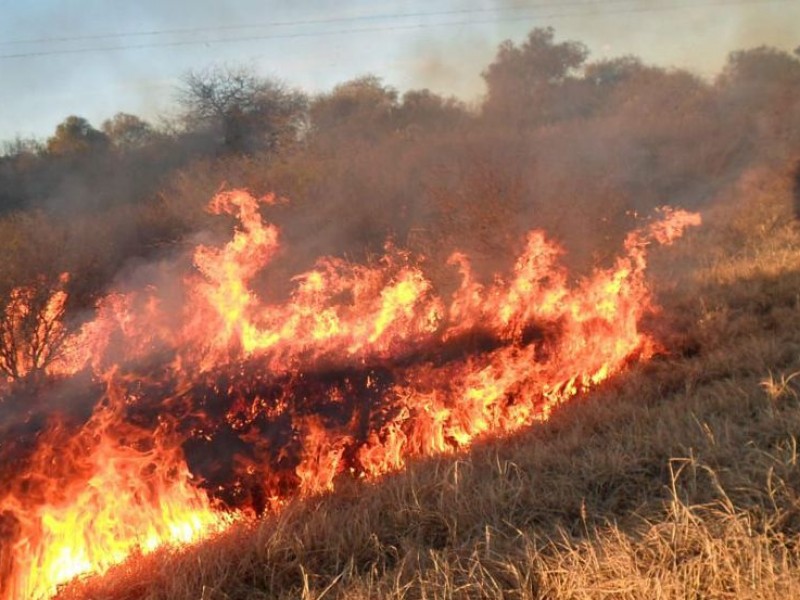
222,406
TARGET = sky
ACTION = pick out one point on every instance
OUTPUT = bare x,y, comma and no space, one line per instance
94,58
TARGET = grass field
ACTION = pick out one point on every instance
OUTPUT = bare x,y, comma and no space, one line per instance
678,479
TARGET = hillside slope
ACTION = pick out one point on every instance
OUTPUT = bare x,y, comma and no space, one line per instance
679,479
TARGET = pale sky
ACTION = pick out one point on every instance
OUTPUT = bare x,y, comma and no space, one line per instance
94,58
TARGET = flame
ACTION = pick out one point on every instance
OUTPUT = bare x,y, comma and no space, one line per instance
90,499
228,404
36,318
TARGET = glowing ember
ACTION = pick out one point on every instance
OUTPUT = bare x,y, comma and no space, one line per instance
210,403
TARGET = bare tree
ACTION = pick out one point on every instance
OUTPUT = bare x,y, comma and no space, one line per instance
248,112
32,329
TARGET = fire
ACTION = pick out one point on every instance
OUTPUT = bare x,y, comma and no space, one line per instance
91,498
33,316
209,404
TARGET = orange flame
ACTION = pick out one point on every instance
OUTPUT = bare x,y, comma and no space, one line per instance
361,369
91,499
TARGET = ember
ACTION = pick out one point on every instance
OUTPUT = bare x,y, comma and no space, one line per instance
227,406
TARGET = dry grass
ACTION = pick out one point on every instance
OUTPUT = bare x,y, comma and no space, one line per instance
678,480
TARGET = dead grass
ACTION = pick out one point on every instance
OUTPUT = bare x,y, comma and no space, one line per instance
679,479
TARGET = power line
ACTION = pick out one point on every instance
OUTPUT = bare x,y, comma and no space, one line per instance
305,34
325,21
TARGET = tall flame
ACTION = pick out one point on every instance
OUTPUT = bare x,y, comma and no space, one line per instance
229,404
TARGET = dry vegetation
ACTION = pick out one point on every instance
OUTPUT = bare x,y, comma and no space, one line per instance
679,479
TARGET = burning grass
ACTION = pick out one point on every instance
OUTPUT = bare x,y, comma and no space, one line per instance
207,403
677,479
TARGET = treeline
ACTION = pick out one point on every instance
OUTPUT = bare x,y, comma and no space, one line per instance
559,141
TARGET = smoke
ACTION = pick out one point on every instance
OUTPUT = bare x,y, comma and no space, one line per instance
283,375
767,25
449,66
688,36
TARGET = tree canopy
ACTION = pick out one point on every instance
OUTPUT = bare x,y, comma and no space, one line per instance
75,135
247,112
525,80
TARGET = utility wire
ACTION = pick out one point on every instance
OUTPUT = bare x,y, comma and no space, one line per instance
325,21
305,34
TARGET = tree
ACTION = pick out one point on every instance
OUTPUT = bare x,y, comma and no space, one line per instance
796,190
759,88
426,111
526,84
247,112
32,329
362,108
127,131
763,65
20,163
75,136
612,72
21,147
599,88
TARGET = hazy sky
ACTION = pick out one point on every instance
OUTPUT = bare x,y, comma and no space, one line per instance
96,57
